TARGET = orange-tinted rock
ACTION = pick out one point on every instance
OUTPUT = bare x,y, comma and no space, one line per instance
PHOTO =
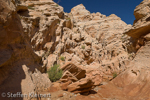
54,87
67,79
135,81
64,85
95,75
60,95
81,86
68,76
78,72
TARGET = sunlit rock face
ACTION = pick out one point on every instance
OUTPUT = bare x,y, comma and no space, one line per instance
135,80
37,34
141,24
82,37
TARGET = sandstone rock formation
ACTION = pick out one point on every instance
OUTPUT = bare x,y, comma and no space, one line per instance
74,79
81,86
18,60
79,36
133,84
92,40
89,47
77,71
141,24
135,80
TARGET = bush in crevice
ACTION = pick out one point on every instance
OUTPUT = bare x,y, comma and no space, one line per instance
56,5
83,47
55,73
62,58
67,18
115,74
29,7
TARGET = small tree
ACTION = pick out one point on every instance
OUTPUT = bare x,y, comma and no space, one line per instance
55,73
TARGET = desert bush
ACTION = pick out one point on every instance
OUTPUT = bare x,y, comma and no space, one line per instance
56,5
55,73
58,22
83,47
67,18
62,58
29,7
114,74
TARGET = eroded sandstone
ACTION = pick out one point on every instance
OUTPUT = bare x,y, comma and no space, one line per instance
89,47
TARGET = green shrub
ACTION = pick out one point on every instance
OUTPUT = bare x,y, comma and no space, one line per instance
67,18
20,16
56,5
62,58
123,35
83,47
55,73
29,7
114,74
59,22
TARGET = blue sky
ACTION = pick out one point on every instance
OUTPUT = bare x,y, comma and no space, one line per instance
122,8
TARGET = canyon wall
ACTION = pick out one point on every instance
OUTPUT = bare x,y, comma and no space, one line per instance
17,59
36,34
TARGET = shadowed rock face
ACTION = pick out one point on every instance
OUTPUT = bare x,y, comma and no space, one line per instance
17,59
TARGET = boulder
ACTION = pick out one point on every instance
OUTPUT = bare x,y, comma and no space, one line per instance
141,24
76,71
68,76
95,75
67,79
41,81
74,80
21,7
52,59
147,37
142,9
81,86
